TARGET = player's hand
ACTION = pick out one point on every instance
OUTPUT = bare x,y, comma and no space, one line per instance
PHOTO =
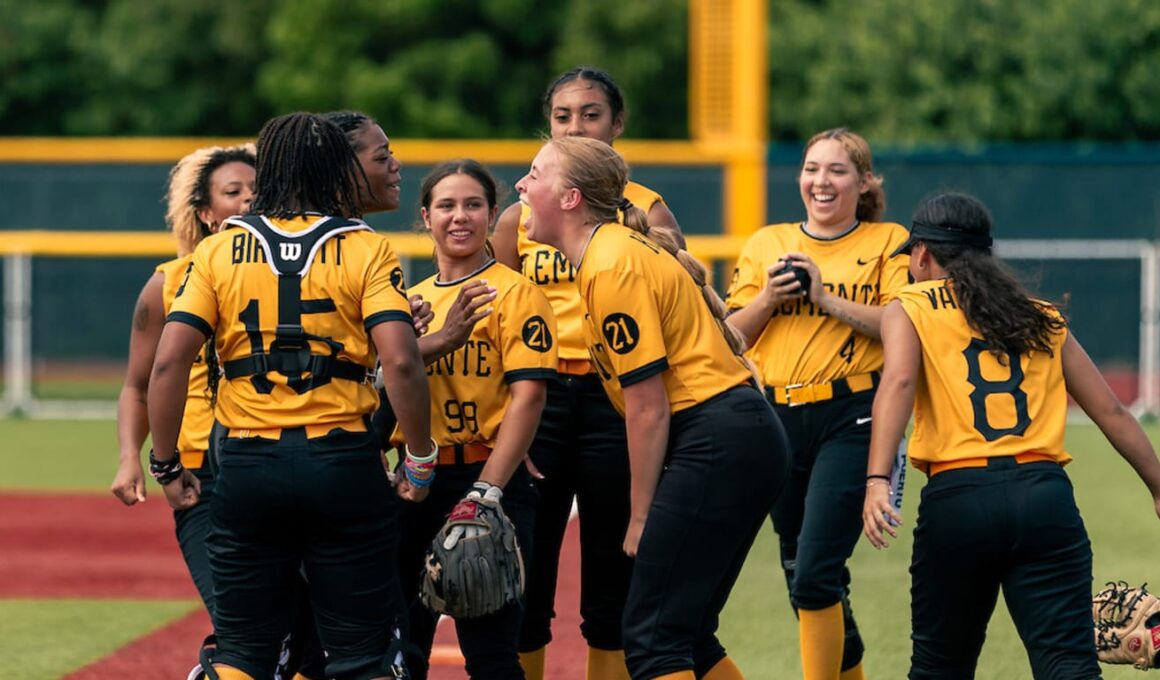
129,482
878,514
781,287
421,314
408,491
184,492
632,536
817,291
481,493
469,307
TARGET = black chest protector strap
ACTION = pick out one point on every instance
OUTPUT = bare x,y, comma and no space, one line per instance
290,256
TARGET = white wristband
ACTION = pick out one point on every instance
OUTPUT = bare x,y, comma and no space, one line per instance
427,458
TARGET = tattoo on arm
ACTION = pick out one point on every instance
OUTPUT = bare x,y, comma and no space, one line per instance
140,316
851,321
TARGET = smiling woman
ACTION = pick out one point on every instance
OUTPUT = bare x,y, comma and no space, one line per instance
487,369
845,251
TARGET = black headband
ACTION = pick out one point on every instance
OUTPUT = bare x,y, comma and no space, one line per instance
929,233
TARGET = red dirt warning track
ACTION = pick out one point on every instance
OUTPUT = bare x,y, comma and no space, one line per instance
89,546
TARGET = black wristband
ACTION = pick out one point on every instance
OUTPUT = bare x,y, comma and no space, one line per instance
886,477
165,471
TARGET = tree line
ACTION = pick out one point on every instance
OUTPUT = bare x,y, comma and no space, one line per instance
899,71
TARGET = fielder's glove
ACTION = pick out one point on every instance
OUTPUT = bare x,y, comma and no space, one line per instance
474,566
1127,625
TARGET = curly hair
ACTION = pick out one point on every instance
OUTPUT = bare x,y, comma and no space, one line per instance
995,304
188,190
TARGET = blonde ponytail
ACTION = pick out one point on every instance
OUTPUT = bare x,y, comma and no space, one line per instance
602,173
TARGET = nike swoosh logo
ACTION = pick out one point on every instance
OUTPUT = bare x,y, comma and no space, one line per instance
862,421
861,261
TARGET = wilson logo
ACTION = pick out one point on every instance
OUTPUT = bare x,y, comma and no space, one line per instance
290,251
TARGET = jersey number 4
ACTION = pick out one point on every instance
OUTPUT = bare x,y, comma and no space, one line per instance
983,388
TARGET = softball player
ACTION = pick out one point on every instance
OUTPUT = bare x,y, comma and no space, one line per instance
205,188
294,296
819,353
580,449
987,370
703,475
486,399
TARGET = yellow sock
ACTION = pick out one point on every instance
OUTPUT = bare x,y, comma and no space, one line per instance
854,673
682,675
725,669
230,673
533,663
822,638
606,664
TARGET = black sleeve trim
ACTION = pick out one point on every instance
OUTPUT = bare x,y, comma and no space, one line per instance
647,371
191,320
528,374
381,317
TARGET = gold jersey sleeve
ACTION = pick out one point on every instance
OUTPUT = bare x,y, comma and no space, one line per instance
970,405
645,316
354,283
801,343
550,270
470,387
197,420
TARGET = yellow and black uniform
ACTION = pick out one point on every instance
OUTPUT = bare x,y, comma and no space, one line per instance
965,409
581,450
820,374
300,482
726,456
193,442
470,396
998,510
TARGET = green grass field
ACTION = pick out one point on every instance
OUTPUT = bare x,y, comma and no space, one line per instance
758,626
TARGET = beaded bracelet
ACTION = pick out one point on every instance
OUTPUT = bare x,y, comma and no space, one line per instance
165,471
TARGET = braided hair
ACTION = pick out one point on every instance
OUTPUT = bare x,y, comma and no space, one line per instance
995,304
305,164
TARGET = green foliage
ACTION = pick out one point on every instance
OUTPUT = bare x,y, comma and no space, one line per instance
965,70
899,71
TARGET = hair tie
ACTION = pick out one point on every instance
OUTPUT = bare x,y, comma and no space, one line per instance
625,204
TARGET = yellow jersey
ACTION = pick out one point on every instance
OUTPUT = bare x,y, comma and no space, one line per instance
645,316
550,270
353,283
197,421
801,344
967,403
470,390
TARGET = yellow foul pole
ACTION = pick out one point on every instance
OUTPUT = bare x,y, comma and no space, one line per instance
729,95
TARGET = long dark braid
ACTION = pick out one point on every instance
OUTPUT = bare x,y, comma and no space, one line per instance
305,164
213,365
995,304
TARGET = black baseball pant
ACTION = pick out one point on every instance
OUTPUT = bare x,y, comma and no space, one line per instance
726,463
